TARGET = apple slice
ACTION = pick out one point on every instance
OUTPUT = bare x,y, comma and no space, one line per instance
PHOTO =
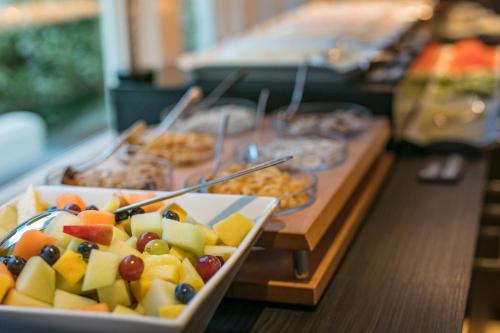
97,233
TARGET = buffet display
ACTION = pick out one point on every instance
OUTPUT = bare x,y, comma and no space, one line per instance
341,35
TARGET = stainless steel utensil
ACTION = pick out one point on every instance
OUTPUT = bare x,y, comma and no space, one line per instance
226,84
252,150
42,220
190,97
298,90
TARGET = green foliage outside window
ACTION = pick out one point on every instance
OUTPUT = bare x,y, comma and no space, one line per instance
48,69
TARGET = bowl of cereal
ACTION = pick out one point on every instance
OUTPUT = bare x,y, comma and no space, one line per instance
179,148
310,153
295,189
144,173
326,119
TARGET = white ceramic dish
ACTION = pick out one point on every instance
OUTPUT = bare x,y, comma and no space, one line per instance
206,209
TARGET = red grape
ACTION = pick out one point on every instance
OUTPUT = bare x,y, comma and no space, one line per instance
144,239
207,266
131,268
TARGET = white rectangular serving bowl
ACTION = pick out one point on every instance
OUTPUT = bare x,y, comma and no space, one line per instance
204,208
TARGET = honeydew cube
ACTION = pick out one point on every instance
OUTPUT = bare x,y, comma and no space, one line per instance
220,250
190,275
62,284
55,228
101,270
160,293
171,311
16,298
160,260
132,242
148,222
122,249
140,309
211,237
123,310
115,294
185,236
29,204
140,287
8,217
37,280
178,210
181,254
71,267
73,244
112,204
233,229
68,301
125,226
169,273
119,234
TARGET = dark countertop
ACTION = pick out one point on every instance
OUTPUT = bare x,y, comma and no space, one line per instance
408,269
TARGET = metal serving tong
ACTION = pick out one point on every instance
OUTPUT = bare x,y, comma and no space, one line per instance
42,220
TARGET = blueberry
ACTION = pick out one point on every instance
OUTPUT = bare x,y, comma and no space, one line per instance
121,216
73,208
137,211
184,292
171,215
16,265
91,207
50,253
4,260
86,247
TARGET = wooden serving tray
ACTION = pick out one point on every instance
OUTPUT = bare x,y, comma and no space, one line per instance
304,229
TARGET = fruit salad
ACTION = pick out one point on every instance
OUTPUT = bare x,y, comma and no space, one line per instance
149,261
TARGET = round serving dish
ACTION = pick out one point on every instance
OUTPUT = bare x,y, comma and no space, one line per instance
325,119
242,117
145,173
180,149
310,153
302,184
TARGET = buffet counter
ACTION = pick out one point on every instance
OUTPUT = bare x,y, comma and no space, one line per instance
408,269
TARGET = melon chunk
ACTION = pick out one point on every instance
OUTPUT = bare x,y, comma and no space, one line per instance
140,287
16,298
8,217
123,310
211,237
62,284
101,270
112,204
185,236
68,301
70,198
31,242
149,222
6,280
96,217
233,229
122,249
115,294
160,293
169,273
181,254
119,234
101,307
29,204
171,311
37,280
55,228
220,251
190,275
132,198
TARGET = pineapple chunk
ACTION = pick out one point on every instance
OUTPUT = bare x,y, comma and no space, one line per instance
211,237
8,217
71,266
112,205
179,210
169,273
122,249
16,298
29,204
181,254
171,311
132,242
233,229
123,310
119,234
190,275
218,250
140,287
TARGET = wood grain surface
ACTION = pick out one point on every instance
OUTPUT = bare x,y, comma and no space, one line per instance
408,270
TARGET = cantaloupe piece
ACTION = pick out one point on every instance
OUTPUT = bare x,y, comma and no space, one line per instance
70,198
31,242
136,197
97,217
101,307
6,280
